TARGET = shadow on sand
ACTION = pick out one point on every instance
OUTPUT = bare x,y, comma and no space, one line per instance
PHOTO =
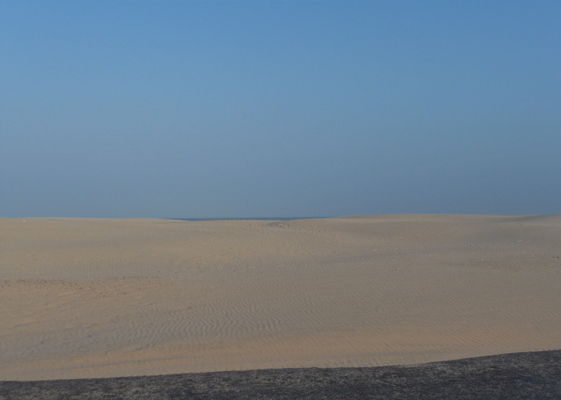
535,375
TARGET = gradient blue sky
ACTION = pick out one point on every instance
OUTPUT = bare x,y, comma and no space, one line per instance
217,109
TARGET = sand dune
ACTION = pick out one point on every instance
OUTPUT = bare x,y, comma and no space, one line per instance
85,298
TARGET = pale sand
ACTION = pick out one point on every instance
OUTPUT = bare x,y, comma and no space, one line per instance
83,298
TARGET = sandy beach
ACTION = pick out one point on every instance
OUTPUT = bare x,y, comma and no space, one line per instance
96,298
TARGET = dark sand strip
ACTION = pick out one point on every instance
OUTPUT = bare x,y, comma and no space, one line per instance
533,375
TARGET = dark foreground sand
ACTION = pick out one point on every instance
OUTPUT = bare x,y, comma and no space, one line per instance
525,376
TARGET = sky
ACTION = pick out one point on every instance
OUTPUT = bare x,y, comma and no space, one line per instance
241,109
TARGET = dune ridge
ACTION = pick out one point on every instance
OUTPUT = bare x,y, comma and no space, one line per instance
94,298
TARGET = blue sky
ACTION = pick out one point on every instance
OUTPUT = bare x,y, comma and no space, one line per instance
231,109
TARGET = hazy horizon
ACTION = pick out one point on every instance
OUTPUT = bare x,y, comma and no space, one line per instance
247,109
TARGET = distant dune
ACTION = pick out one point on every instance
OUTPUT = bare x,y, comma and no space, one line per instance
92,298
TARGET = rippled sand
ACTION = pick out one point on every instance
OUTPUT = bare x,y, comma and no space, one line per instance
82,298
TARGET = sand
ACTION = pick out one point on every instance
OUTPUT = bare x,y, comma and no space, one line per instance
518,376
94,298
